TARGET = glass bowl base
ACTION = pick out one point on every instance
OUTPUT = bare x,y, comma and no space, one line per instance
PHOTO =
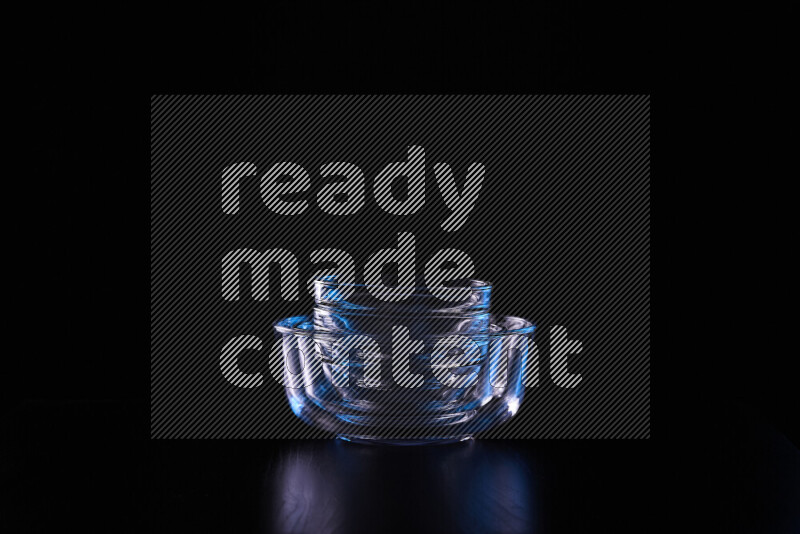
366,440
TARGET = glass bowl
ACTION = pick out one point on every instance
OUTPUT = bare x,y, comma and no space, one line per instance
410,371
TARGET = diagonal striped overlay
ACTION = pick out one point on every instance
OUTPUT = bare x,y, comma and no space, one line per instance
561,226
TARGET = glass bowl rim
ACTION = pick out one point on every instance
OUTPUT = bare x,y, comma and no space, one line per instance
475,285
284,329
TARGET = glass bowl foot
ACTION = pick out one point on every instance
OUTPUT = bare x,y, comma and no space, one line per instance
366,440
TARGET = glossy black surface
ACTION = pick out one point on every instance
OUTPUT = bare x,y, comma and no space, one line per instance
90,464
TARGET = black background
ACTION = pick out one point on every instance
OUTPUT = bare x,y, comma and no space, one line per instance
77,448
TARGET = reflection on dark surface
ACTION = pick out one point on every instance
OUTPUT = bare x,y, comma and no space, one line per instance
343,487
728,473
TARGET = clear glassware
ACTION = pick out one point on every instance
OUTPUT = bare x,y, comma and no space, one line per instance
404,367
